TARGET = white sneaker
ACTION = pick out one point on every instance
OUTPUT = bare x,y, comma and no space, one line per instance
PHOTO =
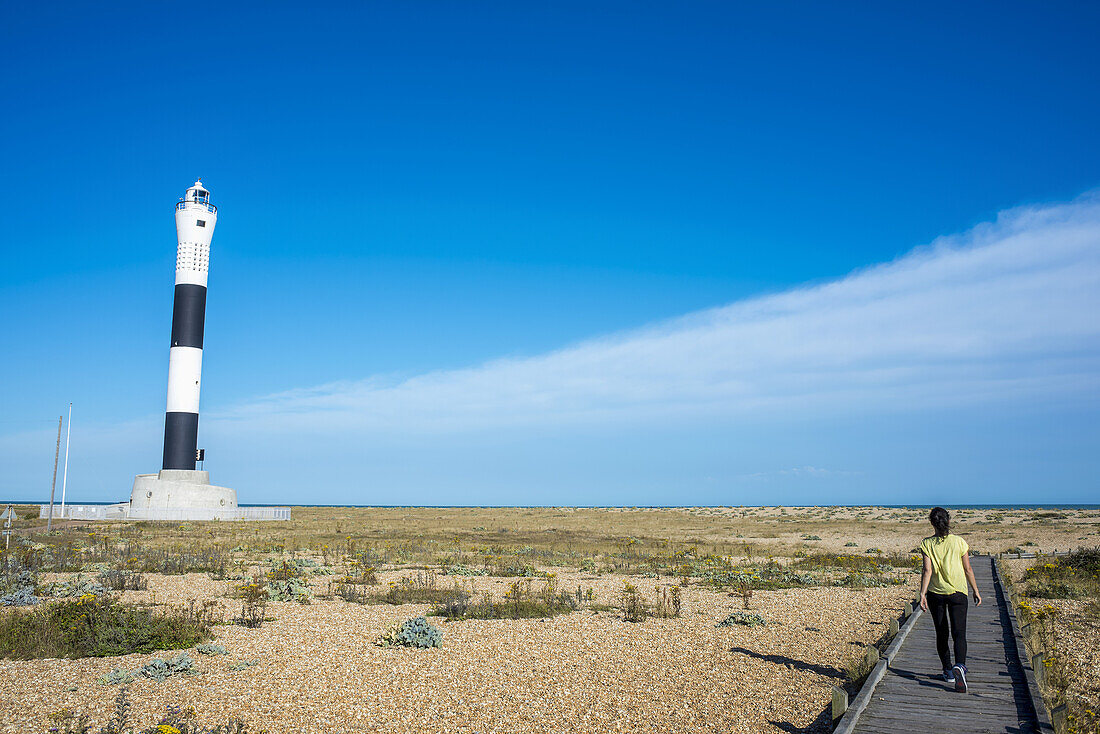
960,678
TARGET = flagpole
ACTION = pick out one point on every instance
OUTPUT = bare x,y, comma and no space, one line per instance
65,476
53,482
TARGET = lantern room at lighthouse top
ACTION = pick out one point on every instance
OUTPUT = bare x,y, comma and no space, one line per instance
197,195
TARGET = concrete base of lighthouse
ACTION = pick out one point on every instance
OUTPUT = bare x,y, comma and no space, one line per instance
171,495
179,494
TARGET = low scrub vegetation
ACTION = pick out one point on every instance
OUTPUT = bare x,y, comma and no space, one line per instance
521,601
97,626
868,563
637,609
1074,576
355,585
176,720
420,589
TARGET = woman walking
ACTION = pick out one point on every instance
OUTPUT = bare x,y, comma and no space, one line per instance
943,593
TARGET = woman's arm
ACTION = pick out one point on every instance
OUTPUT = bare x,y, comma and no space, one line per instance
925,579
970,577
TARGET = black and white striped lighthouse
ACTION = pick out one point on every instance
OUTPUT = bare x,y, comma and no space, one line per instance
195,220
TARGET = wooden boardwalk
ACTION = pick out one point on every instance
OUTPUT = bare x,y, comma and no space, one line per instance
911,697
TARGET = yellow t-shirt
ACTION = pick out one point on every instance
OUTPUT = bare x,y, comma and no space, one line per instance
948,576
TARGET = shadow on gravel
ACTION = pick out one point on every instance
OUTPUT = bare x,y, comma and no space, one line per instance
823,723
791,663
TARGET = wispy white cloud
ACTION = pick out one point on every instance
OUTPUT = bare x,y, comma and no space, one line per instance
802,472
1004,312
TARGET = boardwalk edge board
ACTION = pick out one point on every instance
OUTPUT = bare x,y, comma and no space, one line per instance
851,716
1037,701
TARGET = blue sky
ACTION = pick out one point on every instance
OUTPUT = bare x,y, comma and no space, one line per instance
562,254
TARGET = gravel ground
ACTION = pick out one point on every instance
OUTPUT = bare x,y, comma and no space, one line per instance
319,671
1079,642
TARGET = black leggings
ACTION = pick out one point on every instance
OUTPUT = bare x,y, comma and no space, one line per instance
953,606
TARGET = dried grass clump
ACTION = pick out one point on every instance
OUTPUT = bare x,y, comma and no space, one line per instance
419,589
253,595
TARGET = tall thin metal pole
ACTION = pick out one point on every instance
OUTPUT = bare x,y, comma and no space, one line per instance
65,475
53,482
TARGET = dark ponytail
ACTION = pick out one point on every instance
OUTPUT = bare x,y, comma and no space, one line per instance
941,521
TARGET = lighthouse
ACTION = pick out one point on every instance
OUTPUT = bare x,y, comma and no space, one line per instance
178,491
196,218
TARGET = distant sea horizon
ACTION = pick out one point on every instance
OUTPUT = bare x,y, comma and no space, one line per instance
1005,506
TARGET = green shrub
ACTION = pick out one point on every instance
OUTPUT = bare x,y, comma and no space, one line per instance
116,677
747,619
18,590
160,670
1082,560
770,575
291,589
460,570
210,648
415,632
93,626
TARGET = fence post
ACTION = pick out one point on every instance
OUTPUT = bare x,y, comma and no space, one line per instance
894,627
1058,718
908,609
1040,668
840,702
871,656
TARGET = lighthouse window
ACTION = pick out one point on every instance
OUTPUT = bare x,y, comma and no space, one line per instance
200,222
